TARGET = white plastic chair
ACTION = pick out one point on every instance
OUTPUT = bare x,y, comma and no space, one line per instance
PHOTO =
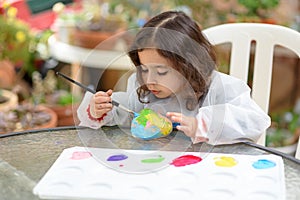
266,36
297,155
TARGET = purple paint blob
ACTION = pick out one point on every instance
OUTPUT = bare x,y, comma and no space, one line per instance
117,157
263,164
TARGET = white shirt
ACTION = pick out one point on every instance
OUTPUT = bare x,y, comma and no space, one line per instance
227,115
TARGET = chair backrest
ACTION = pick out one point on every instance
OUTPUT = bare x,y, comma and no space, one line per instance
297,155
266,37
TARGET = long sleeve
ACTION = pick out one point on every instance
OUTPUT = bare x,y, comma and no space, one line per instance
116,116
229,113
82,114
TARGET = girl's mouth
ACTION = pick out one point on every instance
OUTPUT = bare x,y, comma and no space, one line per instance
154,92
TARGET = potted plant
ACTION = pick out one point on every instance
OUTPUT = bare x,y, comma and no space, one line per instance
58,98
96,21
21,52
258,10
87,26
16,42
27,117
284,131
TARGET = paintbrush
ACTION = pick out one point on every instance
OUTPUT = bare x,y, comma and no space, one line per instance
115,103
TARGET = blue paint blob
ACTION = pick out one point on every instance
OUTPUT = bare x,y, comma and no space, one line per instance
263,164
117,157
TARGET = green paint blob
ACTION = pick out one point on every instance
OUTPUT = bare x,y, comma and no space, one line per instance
153,160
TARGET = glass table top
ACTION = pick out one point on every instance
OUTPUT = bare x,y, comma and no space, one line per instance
25,157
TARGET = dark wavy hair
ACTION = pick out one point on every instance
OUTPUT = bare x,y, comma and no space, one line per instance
176,37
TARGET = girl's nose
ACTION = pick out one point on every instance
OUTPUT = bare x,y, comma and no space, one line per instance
151,79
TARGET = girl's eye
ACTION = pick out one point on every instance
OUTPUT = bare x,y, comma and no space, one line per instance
144,70
162,73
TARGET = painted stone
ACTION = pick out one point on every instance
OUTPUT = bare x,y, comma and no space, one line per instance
150,125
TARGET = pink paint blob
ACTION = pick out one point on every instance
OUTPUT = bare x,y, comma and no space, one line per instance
185,160
79,155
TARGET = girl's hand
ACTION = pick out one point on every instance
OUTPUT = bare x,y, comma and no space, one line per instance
188,125
100,103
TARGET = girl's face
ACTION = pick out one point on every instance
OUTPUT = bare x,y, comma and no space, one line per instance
158,74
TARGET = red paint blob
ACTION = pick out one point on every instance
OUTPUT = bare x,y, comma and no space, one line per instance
185,160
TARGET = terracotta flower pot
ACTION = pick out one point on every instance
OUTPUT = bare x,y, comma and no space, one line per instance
66,114
10,122
53,120
91,39
65,105
7,74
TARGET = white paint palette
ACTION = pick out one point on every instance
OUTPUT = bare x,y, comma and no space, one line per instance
95,173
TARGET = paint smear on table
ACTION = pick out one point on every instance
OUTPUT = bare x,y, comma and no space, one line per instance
117,157
185,160
79,155
225,161
263,164
157,159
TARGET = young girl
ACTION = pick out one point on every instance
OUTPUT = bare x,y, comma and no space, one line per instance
176,76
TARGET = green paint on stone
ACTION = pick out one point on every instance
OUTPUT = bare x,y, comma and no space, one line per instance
142,118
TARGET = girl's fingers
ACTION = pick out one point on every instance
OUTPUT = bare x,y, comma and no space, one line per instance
178,117
101,93
100,103
185,129
109,92
102,99
103,105
188,125
175,114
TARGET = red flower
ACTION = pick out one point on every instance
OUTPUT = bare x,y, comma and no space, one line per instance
2,11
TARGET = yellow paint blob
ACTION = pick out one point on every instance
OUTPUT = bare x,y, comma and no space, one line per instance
225,161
